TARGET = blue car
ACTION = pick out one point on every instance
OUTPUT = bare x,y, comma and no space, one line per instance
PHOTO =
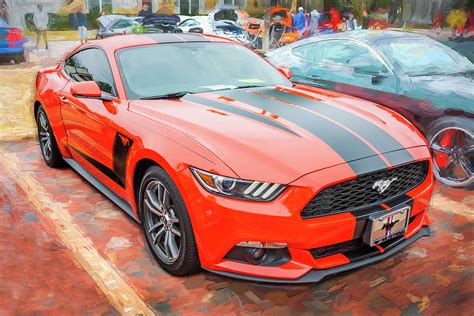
11,43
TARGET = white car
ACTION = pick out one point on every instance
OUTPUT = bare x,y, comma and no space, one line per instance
204,24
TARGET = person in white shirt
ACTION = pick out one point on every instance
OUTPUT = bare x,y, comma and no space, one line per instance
41,19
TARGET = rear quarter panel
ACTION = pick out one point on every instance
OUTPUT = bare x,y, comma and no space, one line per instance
49,82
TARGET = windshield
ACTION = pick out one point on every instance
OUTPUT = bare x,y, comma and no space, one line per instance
422,57
162,69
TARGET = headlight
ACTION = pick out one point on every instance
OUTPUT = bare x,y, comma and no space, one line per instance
236,188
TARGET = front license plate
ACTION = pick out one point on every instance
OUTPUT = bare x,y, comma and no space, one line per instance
387,226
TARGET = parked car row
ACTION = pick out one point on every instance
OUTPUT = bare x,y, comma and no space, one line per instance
110,25
225,22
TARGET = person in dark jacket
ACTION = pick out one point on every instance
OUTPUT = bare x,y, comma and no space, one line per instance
79,22
145,11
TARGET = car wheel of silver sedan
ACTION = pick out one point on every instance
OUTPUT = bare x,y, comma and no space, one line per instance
453,156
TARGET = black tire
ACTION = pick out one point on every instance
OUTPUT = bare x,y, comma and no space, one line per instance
462,125
20,58
187,261
54,159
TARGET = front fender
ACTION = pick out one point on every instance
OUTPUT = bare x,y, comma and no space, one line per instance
172,156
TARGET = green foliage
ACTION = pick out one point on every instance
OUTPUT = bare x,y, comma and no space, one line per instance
357,7
382,4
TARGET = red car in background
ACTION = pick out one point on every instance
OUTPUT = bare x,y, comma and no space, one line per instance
230,168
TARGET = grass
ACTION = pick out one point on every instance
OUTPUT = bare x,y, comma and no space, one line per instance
61,35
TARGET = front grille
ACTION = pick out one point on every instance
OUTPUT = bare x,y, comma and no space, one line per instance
359,192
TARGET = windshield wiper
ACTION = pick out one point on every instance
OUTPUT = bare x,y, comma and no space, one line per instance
248,86
173,95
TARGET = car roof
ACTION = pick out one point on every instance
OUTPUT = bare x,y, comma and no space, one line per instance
121,41
366,36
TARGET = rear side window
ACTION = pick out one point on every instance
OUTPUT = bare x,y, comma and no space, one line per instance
91,65
337,53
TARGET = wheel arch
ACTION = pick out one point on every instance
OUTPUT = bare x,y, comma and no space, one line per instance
36,107
139,171
139,163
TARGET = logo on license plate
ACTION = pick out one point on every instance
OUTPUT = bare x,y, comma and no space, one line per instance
388,225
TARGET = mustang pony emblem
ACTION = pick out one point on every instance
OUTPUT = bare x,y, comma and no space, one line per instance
382,185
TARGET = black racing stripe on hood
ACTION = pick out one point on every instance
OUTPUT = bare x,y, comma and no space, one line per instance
396,158
231,109
376,136
348,146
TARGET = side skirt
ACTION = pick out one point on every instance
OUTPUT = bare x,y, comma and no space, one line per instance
101,187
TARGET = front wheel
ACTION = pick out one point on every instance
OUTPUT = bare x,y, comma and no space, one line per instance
452,146
166,224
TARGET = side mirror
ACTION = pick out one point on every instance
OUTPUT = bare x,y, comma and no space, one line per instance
286,72
196,30
88,89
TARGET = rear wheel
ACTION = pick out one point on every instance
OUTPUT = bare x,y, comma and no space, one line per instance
453,153
49,148
166,224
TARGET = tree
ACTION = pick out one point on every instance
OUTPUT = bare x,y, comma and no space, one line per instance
357,7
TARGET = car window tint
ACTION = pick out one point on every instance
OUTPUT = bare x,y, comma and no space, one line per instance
91,65
122,24
189,22
337,54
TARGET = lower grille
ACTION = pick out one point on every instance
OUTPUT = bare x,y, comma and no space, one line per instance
362,191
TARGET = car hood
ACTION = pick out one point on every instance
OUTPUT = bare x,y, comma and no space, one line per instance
279,134
445,91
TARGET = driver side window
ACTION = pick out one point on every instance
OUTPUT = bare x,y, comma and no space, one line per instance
91,65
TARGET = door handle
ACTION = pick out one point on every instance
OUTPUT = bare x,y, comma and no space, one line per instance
64,99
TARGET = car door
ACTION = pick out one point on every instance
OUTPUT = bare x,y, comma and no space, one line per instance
345,66
93,137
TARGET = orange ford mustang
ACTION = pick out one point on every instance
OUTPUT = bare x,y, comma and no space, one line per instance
230,167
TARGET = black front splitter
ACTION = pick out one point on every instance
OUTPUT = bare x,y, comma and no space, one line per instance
317,275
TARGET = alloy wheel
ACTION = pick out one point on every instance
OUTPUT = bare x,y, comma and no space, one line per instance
162,226
453,156
45,136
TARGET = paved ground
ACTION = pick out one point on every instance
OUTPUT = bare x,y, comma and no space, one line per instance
67,249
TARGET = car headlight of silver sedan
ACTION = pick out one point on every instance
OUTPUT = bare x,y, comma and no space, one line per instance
237,188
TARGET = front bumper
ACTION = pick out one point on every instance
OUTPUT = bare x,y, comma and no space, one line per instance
220,223
317,275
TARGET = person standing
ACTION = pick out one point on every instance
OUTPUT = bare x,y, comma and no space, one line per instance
299,20
3,11
145,11
80,23
393,11
40,20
